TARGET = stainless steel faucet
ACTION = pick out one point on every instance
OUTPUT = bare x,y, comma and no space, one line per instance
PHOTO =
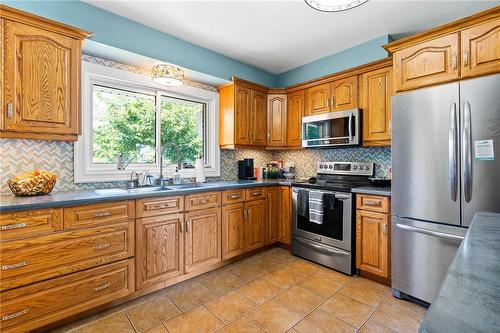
160,179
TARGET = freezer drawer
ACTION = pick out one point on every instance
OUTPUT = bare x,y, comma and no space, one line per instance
421,255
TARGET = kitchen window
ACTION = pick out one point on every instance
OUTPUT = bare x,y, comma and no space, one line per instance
127,113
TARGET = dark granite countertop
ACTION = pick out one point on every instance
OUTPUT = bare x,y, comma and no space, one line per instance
375,190
9,203
469,300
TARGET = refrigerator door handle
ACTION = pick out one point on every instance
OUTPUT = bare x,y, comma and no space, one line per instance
467,153
452,151
430,232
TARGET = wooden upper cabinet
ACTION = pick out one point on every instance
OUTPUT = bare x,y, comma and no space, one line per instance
481,49
344,94
295,111
427,63
372,243
42,61
242,115
276,120
258,119
202,239
318,99
159,250
375,98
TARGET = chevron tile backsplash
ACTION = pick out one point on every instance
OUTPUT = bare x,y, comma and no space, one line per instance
18,156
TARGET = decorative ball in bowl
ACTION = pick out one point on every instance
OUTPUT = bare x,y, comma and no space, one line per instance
36,182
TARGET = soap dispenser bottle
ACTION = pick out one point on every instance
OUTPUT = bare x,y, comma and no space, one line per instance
177,176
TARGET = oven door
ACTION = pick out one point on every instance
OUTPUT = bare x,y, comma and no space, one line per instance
336,228
340,128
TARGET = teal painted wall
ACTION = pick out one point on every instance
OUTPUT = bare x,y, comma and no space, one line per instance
354,56
122,33
131,36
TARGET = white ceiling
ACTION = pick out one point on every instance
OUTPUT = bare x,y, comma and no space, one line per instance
280,35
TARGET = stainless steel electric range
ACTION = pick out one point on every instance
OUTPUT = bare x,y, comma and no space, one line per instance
329,240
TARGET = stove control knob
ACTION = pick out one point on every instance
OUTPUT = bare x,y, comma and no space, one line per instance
367,167
330,166
355,167
321,166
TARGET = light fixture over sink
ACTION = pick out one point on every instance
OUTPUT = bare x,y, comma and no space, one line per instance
167,75
334,5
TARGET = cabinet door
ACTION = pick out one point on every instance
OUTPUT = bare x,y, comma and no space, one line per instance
255,224
202,239
233,230
273,214
376,91
344,94
427,63
242,116
159,251
318,99
276,121
285,234
372,242
295,112
258,129
481,49
41,81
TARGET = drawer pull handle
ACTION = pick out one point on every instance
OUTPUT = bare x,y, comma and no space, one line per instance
234,196
162,206
14,226
256,194
372,203
102,286
101,246
204,201
15,314
102,214
14,266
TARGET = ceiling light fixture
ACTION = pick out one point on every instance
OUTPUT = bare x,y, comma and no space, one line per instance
167,75
334,5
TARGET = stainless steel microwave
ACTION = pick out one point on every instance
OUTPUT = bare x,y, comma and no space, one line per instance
340,128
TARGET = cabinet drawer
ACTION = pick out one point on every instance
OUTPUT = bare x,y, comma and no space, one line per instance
93,215
45,302
233,196
255,193
203,200
159,206
36,259
373,203
30,223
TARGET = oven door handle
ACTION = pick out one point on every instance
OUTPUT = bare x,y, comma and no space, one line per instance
320,248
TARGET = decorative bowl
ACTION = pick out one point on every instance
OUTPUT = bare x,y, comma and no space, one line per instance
35,182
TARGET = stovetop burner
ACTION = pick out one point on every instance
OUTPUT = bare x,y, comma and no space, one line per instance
339,176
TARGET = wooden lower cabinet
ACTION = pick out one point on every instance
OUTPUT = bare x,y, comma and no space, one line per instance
233,230
273,214
202,239
255,224
159,249
285,221
28,261
372,243
45,302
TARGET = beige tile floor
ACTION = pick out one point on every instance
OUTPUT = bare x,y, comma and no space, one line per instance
272,291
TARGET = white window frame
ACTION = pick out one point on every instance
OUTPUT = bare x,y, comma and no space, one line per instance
86,171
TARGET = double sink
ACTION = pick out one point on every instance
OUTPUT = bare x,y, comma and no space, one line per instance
149,189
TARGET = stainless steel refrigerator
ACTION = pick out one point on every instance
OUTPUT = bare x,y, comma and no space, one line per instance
446,167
